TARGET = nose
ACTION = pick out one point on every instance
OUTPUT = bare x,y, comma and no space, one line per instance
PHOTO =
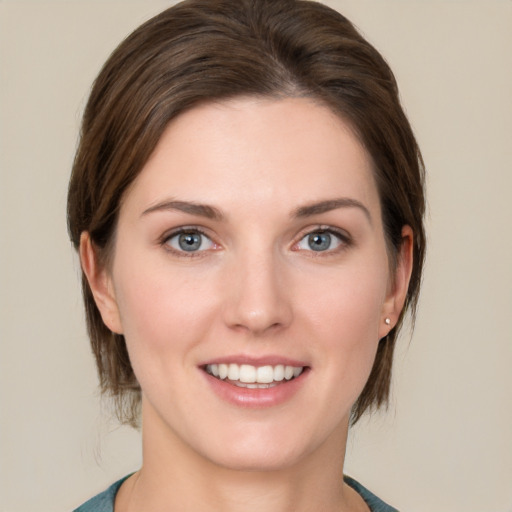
258,298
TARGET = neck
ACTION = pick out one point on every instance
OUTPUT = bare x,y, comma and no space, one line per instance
174,476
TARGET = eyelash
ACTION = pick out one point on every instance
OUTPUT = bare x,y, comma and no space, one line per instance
343,238
186,230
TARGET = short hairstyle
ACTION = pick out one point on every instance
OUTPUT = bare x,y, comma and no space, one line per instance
210,50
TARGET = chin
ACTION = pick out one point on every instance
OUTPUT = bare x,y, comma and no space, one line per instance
259,459
268,451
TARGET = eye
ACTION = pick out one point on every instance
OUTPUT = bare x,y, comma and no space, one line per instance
189,241
321,241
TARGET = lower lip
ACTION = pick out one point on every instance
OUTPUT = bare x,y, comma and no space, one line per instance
256,397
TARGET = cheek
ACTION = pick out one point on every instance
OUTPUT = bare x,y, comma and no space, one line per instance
345,319
349,301
163,312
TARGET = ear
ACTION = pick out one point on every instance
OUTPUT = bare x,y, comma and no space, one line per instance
399,284
100,283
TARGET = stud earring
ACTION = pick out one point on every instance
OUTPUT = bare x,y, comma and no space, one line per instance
387,321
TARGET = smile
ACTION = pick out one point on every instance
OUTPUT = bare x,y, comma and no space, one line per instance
253,377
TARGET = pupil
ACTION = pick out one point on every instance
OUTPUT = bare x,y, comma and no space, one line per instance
190,241
319,241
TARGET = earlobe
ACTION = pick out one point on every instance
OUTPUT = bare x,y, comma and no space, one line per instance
398,290
100,283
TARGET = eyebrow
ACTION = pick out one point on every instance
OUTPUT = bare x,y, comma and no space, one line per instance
331,204
210,212
201,210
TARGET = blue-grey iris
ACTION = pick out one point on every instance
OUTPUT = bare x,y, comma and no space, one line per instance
189,241
319,241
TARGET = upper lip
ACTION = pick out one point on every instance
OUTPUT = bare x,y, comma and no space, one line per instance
268,360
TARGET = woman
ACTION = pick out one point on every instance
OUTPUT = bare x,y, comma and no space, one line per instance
247,203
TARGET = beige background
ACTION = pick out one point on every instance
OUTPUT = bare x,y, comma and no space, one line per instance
445,445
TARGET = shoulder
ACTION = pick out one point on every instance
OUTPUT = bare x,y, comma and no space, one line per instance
103,502
375,504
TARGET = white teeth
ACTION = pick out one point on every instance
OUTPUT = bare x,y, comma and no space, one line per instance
254,376
265,374
223,371
233,372
254,386
279,372
247,373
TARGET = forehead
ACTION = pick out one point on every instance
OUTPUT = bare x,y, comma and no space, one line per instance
257,151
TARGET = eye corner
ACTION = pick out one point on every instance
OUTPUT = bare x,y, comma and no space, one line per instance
323,240
188,241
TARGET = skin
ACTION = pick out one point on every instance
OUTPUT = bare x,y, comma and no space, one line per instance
255,288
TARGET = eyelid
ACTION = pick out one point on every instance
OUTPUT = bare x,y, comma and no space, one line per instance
168,235
343,236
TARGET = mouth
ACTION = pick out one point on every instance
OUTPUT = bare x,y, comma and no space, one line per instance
254,377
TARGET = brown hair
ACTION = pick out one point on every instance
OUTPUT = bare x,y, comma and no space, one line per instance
205,50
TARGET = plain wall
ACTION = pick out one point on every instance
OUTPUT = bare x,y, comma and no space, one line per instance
445,444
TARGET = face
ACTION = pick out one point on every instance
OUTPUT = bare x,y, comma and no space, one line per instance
251,281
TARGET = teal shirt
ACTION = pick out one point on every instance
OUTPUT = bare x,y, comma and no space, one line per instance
104,502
